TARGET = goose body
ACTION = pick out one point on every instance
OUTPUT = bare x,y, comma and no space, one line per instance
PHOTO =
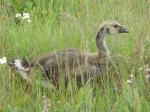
74,63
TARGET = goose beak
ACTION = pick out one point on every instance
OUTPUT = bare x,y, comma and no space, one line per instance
123,30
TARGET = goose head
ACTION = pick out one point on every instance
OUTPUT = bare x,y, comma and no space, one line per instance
111,27
106,29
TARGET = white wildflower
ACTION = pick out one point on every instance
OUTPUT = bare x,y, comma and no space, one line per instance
29,20
131,76
3,60
18,15
26,16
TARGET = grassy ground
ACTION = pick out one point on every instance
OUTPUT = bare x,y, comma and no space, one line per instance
73,23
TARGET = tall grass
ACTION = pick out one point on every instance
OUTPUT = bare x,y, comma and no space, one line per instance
64,23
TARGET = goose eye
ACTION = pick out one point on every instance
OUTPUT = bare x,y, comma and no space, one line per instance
115,26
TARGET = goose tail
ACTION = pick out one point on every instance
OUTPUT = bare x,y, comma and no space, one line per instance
21,66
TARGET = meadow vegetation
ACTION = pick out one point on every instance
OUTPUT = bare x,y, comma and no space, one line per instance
60,24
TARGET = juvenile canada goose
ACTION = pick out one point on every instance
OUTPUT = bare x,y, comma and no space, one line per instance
72,62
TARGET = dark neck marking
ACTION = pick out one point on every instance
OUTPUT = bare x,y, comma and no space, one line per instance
100,41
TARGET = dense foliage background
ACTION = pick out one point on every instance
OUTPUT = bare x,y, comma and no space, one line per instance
59,24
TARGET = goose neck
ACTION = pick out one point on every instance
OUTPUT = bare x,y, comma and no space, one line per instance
101,44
